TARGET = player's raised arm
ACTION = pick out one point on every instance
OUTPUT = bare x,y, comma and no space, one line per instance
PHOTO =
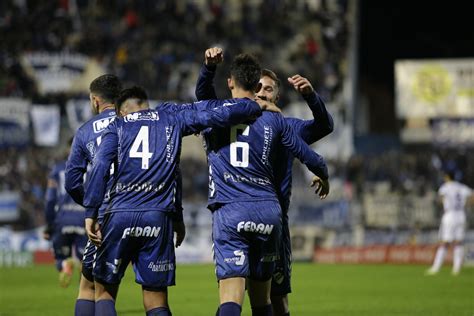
322,123
303,152
76,167
220,113
205,84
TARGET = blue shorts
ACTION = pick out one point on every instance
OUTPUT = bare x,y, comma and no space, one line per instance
281,280
246,237
65,239
88,261
143,238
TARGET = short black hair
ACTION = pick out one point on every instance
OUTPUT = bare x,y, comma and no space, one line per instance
107,87
451,173
134,92
246,71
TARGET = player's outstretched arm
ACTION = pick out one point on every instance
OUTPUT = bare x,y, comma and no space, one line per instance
219,114
322,123
303,152
205,84
76,167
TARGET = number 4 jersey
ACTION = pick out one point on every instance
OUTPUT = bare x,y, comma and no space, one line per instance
241,159
145,146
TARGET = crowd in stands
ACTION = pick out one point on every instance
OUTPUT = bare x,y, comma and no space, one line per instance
161,44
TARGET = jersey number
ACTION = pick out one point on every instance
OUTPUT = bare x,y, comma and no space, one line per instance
236,146
141,141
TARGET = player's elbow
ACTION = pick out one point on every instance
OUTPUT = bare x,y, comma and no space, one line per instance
330,125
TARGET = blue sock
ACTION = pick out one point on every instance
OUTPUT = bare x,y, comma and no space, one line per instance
262,310
105,308
159,311
230,309
84,308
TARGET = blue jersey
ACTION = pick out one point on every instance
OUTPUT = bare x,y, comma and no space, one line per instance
63,211
309,130
242,158
146,145
86,141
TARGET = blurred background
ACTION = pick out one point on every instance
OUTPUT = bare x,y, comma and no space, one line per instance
397,77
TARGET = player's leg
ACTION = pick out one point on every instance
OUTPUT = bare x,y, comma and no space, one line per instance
62,245
259,294
85,302
105,295
231,296
446,236
155,301
458,247
155,262
111,261
230,251
263,255
281,280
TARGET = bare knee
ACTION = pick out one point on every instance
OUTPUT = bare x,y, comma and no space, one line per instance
259,292
280,305
154,298
86,289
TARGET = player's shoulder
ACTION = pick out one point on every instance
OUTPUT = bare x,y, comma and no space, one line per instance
98,123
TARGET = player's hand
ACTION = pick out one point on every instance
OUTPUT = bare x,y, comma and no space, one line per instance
213,56
321,187
180,231
268,106
301,84
93,231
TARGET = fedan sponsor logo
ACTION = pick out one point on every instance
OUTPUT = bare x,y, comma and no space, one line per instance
100,125
255,228
147,231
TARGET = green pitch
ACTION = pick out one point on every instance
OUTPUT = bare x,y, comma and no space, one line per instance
328,290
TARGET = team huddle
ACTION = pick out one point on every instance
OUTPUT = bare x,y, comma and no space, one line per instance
123,173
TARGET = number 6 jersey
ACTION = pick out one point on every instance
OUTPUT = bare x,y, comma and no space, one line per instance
241,159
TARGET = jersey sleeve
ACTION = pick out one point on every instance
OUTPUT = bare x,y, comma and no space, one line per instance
76,167
205,84
301,150
218,114
320,126
106,154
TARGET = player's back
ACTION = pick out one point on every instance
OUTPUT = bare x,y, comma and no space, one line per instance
68,212
149,145
454,195
241,160
86,140
89,134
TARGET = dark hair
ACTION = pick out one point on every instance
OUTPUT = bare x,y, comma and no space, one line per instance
134,92
246,71
107,87
451,173
267,72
